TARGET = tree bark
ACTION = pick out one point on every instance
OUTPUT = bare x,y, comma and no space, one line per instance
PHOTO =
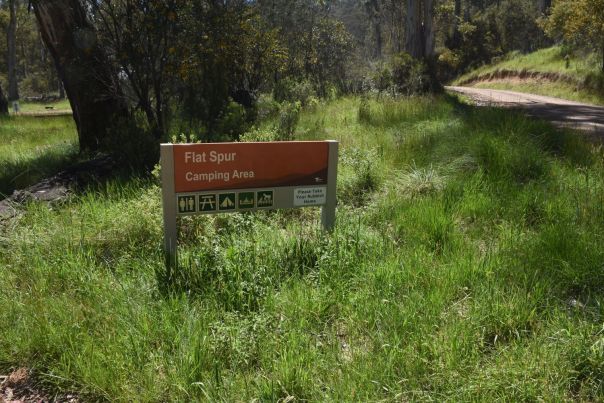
373,8
428,29
456,20
11,34
413,30
419,38
90,82
3,104
544,5
61,89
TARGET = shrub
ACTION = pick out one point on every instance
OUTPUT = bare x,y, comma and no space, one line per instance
364,114
256,134
266,107
233,122
288,120
360,176
382,79
409,76
291,91
132,143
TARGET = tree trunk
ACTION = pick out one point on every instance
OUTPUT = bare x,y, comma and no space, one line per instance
89,80
413,30
544,5
419,38
61,89
3,104
456,20
373,8
428,29
11,34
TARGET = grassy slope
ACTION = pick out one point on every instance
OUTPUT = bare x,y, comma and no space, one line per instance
33,148
466,265
584,70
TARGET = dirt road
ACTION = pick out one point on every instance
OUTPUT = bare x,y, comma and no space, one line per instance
585,117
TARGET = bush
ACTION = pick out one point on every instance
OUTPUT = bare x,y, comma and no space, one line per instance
132,143
266,107
382,79
449,62
288,120
233,122
360,176
364,114
291,91
263,135
409,76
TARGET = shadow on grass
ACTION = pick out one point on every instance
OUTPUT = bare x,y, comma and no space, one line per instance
22,173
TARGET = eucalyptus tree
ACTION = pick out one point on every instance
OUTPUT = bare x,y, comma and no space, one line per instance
419,29
11,38
3,104
90,81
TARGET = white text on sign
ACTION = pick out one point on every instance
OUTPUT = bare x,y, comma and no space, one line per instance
215,176
214,157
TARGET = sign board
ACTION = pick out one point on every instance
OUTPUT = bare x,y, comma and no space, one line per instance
211,178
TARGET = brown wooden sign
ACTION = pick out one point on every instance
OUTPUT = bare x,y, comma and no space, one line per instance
200,167
213,178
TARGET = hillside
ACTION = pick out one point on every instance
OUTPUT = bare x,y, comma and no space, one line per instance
466,265
577,77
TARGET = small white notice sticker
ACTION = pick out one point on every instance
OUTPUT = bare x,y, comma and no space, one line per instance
310,196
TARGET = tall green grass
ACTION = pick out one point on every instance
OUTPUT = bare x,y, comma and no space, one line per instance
466,265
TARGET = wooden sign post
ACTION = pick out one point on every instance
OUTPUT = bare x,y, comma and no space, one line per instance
211,178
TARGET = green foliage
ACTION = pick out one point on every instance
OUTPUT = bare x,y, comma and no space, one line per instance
233,122
318,46
578,23
266,107
360,176
475,42
452,263
132,143
36,72
289,90
409,76
289,116
364,114
382,79
260,134
517,26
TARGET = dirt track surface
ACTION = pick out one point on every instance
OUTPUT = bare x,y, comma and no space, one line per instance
585,117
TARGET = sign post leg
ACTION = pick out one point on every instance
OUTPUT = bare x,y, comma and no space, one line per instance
169,203
328,212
